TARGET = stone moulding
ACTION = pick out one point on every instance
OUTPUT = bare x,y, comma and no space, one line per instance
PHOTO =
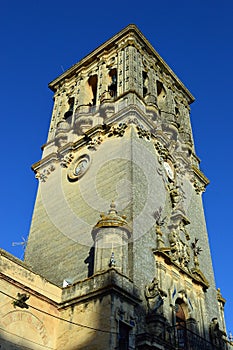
133,37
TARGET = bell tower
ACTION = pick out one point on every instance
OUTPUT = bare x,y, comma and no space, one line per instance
119,205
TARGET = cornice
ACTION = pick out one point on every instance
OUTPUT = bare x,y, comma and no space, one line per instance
112,42
108,284
200,175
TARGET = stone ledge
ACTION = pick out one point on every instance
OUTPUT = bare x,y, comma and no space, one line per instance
103,283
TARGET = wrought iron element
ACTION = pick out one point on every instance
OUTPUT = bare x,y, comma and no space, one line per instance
177,337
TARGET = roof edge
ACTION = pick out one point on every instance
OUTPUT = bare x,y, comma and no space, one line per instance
129,28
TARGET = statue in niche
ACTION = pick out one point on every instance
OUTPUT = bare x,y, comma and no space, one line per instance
174,194
154,296
216,334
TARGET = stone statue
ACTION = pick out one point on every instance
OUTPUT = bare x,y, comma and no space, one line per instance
216,335
154,296
174,194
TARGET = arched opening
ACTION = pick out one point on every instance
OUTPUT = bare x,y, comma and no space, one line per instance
145,83
180,320
112,88
92,81
69,113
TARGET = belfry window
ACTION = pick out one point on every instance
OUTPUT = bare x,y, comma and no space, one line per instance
69,113
160,89
145,83
92,81
112,88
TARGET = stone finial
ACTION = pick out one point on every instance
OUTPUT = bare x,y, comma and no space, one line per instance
112,262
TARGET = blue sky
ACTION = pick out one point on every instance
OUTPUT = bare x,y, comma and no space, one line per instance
41,38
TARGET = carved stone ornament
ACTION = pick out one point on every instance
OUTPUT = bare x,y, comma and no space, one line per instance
175,194
43,176
143,134
179,248
66,160
199,188
155,296
93,144
117,130
78,167
162,151
196,251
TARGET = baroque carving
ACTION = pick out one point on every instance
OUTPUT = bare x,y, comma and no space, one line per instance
154,296
180,250
199,188
143,134
93,144
118,130
162,151
66,160
175,194
43,176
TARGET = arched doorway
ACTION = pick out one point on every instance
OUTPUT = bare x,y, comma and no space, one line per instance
180,318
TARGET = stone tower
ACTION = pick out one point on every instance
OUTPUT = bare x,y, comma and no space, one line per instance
118,219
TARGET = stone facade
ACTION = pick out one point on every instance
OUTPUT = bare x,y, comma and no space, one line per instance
118,227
